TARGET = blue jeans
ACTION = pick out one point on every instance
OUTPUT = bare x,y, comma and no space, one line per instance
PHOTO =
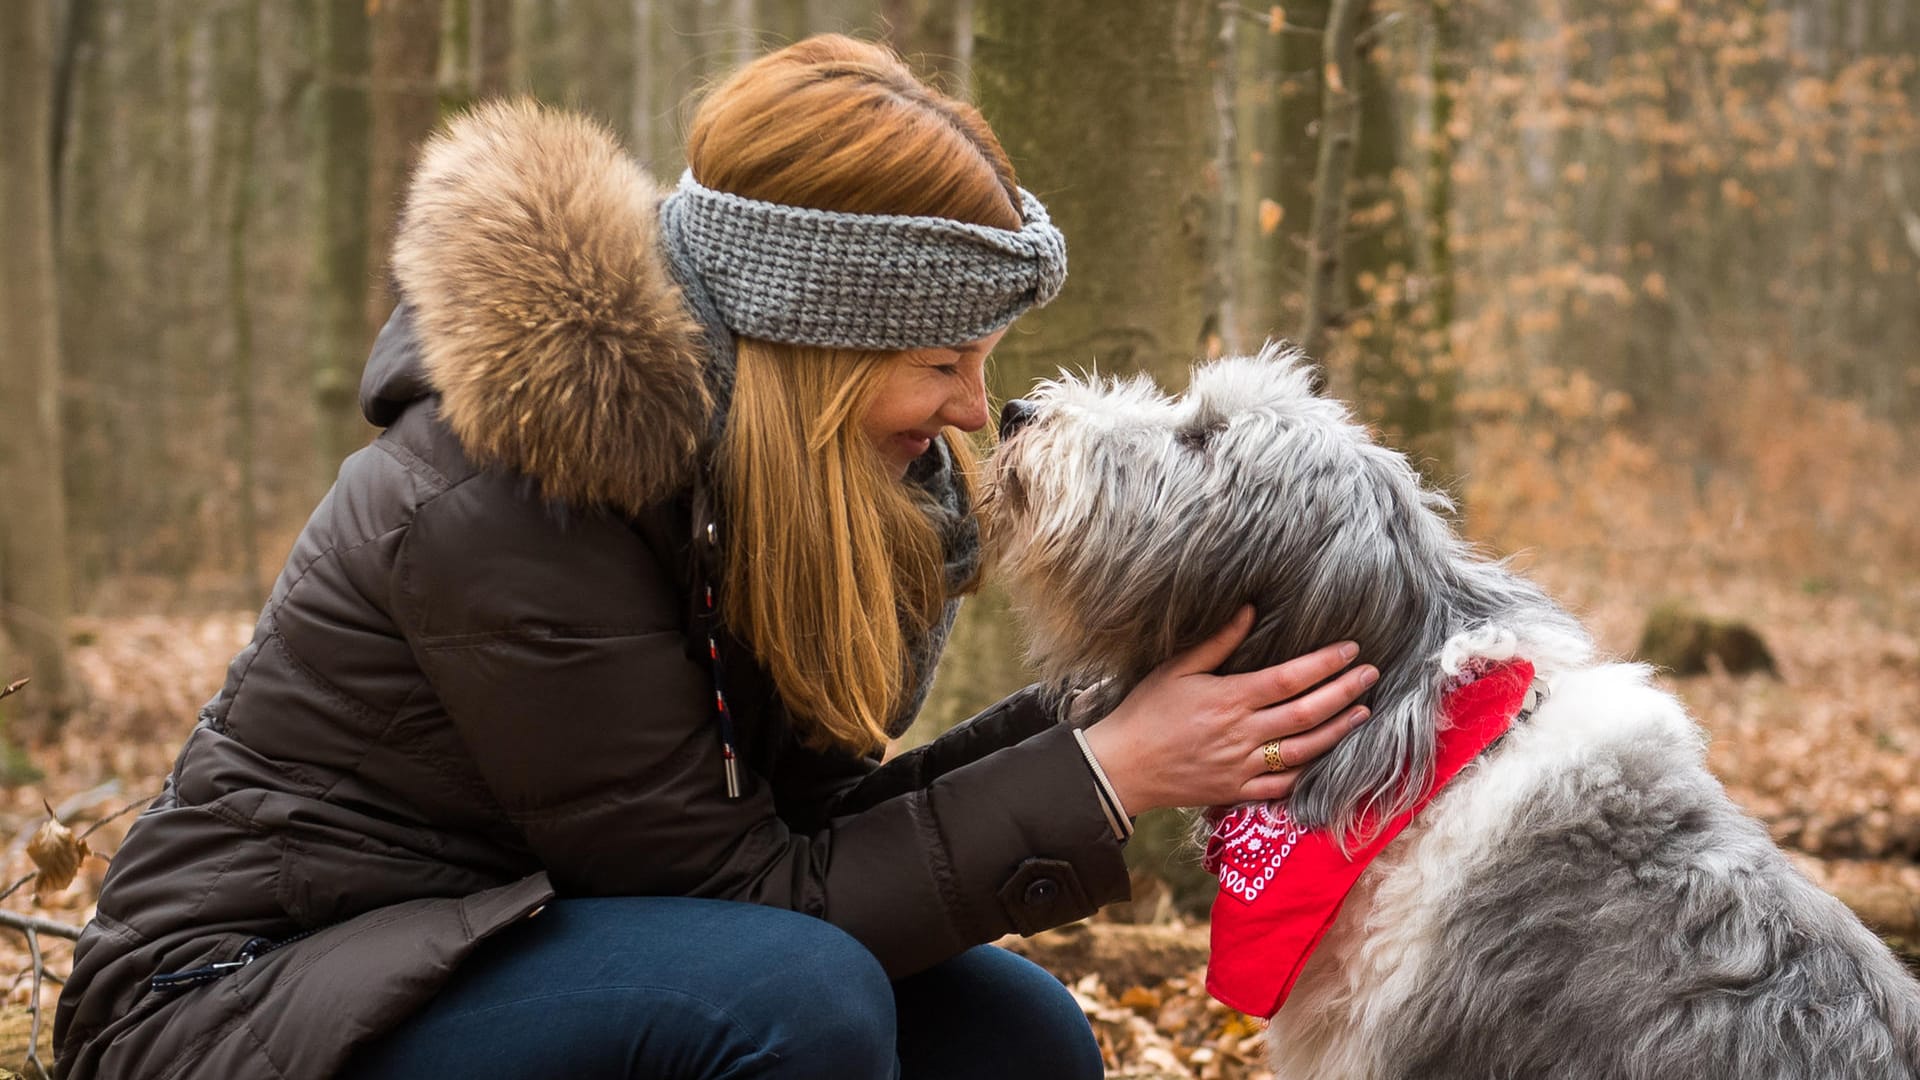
675,988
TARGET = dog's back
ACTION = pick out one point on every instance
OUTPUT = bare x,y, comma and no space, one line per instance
1587,902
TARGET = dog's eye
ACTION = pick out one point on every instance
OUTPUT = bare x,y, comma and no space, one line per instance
1197,438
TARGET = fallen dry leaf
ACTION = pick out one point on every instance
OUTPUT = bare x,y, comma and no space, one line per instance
57,853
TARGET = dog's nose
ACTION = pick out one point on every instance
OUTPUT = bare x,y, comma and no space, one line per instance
1015,415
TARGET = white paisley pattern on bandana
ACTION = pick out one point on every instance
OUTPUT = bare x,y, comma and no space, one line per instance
1247,848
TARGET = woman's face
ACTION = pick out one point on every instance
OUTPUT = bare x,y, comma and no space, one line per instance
926,390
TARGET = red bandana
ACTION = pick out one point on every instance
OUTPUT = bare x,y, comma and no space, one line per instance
1262,936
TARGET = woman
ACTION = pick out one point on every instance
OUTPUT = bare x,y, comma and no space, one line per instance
602,636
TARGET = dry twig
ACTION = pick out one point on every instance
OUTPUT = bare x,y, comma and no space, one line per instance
33,1006
35,924
115,816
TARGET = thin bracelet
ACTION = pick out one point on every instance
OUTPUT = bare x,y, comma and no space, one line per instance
1110,803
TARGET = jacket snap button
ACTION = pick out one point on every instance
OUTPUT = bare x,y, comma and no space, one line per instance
1042,891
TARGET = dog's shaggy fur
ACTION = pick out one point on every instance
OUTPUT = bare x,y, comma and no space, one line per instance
1584,901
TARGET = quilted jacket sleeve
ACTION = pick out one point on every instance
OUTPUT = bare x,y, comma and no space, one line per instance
1011,720
555,648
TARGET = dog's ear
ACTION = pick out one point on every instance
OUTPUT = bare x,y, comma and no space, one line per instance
1279,377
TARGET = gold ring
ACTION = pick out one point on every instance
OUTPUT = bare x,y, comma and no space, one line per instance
1271,752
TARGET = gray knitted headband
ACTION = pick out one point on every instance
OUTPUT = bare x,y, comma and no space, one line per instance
858,281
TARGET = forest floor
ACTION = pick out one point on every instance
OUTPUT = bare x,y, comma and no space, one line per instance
1828,755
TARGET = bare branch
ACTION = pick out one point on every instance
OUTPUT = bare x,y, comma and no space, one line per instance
35,923
15,887
33,1006
13,687
115,816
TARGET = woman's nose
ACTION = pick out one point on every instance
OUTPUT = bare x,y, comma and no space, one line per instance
969,412
1014,415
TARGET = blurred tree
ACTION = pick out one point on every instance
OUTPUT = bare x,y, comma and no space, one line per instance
490,46
1105,111
1621,211
1397,375
1276,79
76,18
1436,272
935,36
34,592
342,156
1295,148
1225,283
781,22
240,93
1339,132
406,107
594,56
670,62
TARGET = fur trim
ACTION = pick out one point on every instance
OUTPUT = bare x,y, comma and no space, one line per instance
548,319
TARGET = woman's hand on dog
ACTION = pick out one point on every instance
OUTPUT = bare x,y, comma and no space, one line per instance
1188,737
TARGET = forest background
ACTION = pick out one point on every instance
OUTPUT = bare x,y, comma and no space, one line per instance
1638,281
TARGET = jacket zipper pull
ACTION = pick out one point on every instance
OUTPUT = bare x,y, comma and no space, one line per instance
182,980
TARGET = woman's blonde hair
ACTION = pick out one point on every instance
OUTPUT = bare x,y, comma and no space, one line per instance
834,570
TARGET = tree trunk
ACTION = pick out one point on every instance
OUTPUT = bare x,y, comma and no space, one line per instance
926,33
491,43
1229,213
1339,133
240,64
342,148
1295,147
76,29
34,592
1439,441
1444,72
780,22
596,39
406,106
1398,377
670,61
1106,111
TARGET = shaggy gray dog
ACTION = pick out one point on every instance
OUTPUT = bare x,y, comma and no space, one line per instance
1584,901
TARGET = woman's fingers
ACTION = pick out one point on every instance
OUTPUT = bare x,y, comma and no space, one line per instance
1315,707
1294,753
1296,676
1269,788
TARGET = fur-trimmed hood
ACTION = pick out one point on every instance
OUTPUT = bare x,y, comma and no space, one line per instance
542,309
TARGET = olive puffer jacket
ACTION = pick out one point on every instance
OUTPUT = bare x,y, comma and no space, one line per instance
477,685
